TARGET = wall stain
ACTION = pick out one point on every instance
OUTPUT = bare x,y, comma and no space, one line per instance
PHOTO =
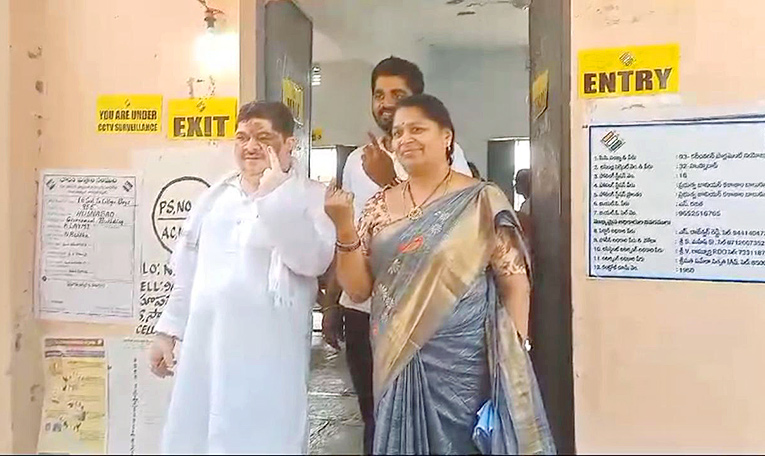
34,390
611,11
36,54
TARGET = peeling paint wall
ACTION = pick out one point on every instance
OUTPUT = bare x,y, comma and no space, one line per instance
27,123
63,55
6,339
668,366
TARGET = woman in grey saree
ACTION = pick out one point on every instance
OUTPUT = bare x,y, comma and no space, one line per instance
449,286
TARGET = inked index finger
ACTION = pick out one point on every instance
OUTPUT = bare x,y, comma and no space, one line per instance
273,160
375,143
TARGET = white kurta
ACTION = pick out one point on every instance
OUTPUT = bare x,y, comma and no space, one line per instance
241,377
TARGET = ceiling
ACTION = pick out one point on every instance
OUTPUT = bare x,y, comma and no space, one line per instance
372,29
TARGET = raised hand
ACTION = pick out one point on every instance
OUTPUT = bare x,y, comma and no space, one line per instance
272,177
338,205
377,163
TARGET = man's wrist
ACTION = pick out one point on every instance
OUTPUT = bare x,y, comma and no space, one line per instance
165,336
331,307
330,301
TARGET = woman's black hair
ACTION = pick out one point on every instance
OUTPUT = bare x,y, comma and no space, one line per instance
434,110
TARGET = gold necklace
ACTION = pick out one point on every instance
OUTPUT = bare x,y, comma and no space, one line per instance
416,211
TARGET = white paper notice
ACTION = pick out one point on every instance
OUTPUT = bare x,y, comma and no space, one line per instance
87,255
678,200
173,179
138,400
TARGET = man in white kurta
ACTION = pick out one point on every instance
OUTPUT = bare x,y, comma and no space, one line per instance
245,281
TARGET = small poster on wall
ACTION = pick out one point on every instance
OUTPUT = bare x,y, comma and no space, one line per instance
87,257
74,415
101,397
128,114
138,400
678,199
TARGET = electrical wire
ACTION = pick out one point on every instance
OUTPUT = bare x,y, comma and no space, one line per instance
209,9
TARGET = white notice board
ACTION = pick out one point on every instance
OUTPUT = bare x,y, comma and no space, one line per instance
678,200
172,182
87,258
138,400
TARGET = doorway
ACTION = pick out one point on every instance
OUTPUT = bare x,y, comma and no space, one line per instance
507,156
479,58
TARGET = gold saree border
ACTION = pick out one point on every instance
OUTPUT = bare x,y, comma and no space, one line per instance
460,257
437,287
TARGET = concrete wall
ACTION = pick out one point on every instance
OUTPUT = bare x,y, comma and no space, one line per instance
6,443
341,105
26,124
64,55
550,319
668,366
486,92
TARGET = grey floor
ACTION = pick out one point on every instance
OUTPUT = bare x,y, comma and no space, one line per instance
336,426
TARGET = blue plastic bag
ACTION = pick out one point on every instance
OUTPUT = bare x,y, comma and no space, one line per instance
484,428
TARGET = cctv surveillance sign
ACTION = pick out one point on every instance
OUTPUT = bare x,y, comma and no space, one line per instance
128,114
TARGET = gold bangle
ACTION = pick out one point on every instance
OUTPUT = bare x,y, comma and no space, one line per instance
348,247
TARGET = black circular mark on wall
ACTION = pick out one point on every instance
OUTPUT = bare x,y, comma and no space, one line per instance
173,215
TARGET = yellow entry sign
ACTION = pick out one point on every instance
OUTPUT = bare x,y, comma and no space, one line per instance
539,93
202,118
628,71
128,114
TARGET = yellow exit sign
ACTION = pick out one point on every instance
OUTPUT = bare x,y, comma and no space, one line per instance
202,118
